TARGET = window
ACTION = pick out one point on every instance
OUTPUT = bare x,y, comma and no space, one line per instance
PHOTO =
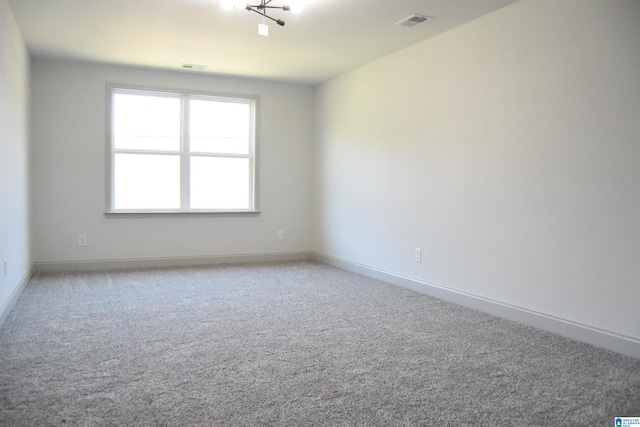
179,152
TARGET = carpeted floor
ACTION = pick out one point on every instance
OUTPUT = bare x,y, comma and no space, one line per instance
291,344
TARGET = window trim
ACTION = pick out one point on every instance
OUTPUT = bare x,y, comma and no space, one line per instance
112,88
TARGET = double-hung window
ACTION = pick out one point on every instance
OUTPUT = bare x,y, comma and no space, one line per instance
181,152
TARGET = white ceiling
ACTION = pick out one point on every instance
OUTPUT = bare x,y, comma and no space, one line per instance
327,39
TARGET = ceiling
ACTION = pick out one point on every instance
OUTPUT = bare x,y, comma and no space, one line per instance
328,38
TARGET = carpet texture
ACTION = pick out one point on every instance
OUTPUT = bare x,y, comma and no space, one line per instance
291,344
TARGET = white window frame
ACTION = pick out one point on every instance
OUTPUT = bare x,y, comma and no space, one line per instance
184,151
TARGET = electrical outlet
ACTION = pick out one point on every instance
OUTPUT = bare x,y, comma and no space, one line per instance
4,268
280,235
417,256
82,240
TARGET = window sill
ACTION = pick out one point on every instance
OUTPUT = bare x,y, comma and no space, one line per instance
177,214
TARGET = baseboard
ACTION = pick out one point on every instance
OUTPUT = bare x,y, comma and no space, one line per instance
117,264
6,308
601,338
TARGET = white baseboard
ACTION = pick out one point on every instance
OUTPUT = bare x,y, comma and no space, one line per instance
116,264
8,305
601,338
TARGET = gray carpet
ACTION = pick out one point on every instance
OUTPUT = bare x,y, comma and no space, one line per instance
288,344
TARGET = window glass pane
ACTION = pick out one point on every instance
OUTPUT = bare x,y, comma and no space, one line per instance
219,126
145,122
146,181
219,183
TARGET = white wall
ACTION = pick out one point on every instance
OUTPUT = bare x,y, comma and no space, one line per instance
508,149
69,179
14,158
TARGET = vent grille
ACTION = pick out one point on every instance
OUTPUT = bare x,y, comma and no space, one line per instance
413,20
193,66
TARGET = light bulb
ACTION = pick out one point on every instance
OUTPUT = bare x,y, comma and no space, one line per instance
295,6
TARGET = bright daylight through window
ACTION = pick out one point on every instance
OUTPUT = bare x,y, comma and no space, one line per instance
177,152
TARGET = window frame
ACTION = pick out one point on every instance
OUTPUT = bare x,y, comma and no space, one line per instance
183,152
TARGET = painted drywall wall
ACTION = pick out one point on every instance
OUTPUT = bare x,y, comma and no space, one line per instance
14,157
69,178
507,150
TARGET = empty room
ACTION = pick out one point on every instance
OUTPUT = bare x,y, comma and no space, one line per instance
319,212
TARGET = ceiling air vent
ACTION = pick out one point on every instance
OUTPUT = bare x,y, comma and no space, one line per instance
413,20
194,66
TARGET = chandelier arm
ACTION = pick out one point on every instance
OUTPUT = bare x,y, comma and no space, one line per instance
264,6
278,21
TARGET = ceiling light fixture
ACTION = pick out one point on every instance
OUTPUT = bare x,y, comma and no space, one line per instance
261,9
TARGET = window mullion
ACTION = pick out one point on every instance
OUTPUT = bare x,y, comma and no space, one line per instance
135,151
185,174
220,155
